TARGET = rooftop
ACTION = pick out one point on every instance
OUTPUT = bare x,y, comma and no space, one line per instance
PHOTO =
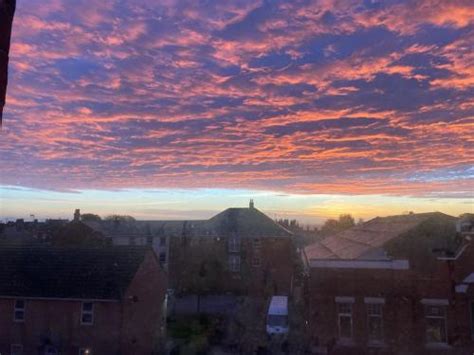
249,222
366,241
244,222
78,273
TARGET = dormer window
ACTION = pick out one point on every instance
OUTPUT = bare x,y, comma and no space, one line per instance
19,311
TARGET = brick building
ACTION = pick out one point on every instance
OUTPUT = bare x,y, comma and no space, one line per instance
394,285
80,300
155,234
240,250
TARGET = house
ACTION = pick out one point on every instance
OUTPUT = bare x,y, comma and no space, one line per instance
399,284
155,234
105,300
465,225
239,250
26,232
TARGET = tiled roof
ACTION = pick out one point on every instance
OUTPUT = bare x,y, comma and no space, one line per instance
80,273
142,228
319,251
367,239
245,222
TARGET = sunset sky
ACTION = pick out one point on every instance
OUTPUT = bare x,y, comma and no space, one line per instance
178,109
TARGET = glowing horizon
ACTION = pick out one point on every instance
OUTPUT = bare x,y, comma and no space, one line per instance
184,204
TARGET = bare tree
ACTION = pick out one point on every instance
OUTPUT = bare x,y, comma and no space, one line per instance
7,10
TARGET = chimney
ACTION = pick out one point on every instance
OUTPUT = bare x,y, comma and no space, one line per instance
77,215
251,205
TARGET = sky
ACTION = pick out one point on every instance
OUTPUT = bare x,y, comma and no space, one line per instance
178,109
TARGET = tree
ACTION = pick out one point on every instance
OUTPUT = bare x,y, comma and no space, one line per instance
346,221
90,217
292,224
119,218
333,226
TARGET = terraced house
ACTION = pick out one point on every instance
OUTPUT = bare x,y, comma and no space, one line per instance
239,250
400,284
80,300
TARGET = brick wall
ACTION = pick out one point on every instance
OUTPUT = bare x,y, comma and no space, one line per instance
200,265
404,322
60,321
132,326
143,320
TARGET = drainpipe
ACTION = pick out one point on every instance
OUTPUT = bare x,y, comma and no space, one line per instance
7,10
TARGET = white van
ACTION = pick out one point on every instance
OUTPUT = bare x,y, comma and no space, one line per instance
277,317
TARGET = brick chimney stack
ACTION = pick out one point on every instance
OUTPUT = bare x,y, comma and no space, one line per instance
77,215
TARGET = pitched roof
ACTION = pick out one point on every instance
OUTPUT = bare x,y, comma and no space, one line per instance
80,273
111,228
244,222
366,241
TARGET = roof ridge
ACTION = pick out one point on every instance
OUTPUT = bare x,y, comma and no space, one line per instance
355,241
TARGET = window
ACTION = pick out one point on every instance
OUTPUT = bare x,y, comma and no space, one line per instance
85,351
234,245
257,243
162,241
234,263
19,311
344,314
132,241
435,324
163,257
16,349
87,315
375,322
149,240
256,262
